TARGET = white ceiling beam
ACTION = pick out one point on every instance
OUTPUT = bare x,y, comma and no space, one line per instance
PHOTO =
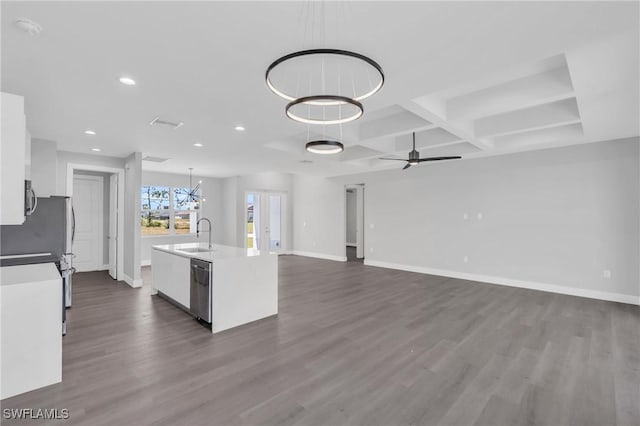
461,130
538,117
393,125
522,93
561,134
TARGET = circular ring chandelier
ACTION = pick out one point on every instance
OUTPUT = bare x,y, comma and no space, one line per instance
324,101
374,88
324,147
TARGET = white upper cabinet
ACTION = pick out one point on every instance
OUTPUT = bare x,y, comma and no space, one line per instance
12,160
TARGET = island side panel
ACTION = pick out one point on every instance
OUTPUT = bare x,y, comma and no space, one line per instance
170,274
31,318
244,290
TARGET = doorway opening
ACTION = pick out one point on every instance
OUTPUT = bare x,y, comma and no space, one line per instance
354,236
265,220
97,195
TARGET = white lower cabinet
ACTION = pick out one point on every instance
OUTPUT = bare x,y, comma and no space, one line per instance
30,328
171,276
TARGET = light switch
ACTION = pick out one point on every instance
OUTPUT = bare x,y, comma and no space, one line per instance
371,226
479,216
465,216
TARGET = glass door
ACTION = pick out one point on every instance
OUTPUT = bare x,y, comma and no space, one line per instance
265,220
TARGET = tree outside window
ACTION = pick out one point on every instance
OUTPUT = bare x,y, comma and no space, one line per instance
164,206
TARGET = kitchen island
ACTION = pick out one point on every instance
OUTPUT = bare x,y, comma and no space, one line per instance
244,282
31,328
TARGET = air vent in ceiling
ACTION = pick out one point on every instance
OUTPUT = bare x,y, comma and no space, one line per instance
157,121
154,159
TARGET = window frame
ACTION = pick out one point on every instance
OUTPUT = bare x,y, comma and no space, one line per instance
171,211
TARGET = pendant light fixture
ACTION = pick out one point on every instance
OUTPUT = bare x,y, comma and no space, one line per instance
324,86
189,197
324,147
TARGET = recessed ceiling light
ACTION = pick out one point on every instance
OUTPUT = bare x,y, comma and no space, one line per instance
239,128
127,81
198,144
89,132
96,149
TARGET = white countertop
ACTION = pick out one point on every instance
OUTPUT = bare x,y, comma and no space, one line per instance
20,274
218,252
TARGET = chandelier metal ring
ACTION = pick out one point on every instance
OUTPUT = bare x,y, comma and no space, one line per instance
309,52
330,147
337,101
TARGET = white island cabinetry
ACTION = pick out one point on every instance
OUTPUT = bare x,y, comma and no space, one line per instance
244,282
169,275
31,328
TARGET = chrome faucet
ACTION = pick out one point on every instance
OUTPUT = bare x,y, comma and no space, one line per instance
198,229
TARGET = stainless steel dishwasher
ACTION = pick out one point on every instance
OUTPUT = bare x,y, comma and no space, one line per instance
200,303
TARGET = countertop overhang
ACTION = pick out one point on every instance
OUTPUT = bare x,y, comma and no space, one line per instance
218,252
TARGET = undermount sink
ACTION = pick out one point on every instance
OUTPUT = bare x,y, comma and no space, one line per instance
195,250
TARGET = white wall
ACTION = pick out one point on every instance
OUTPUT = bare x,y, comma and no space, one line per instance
212,209
234,193
351,217
132,183
319,217
43,167
65,157
230,213
556,217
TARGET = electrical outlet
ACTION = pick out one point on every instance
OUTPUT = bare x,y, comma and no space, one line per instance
606,274
465,216
479,216
465,259
304,224
371,250
371,226
314,243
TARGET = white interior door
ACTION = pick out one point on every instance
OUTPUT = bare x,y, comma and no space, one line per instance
265,219
113,226
88,205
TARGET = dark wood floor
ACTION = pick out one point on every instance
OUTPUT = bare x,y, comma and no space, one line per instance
352,345
351,255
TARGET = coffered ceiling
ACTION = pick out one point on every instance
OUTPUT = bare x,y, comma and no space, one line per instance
470,78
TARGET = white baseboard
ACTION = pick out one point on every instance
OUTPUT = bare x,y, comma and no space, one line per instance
145,262
320,255
531,285
103,268
352,245
133,283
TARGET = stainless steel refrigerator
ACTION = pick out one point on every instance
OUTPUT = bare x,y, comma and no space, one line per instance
45,236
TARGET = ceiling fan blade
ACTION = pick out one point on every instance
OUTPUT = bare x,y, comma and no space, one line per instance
438,159
406,166
397,159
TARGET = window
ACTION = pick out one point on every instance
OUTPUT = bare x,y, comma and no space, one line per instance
167,210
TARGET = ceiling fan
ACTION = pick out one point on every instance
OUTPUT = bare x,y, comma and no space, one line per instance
414,157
